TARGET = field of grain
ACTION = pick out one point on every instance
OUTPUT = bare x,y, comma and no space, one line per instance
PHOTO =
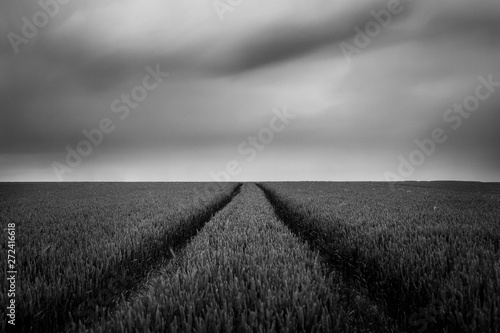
80,246
267,257
428,251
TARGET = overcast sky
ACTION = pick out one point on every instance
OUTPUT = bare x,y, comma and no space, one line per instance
349,109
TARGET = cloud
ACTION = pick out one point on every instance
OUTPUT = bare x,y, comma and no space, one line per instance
227,76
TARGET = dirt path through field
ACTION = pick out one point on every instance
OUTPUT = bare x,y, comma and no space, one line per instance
244,271
366,314
124,279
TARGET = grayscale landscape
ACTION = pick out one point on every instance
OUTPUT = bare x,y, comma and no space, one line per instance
250,166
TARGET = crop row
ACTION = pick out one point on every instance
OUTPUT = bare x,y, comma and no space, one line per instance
80,246
243,272
432,255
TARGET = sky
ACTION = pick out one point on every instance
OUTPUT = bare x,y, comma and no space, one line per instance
240,90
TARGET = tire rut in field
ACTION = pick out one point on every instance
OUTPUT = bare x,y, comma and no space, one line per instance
117,278
371,311
244,272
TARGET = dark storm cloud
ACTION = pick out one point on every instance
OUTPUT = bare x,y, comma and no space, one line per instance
468,16
227,76
286,40
283,41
